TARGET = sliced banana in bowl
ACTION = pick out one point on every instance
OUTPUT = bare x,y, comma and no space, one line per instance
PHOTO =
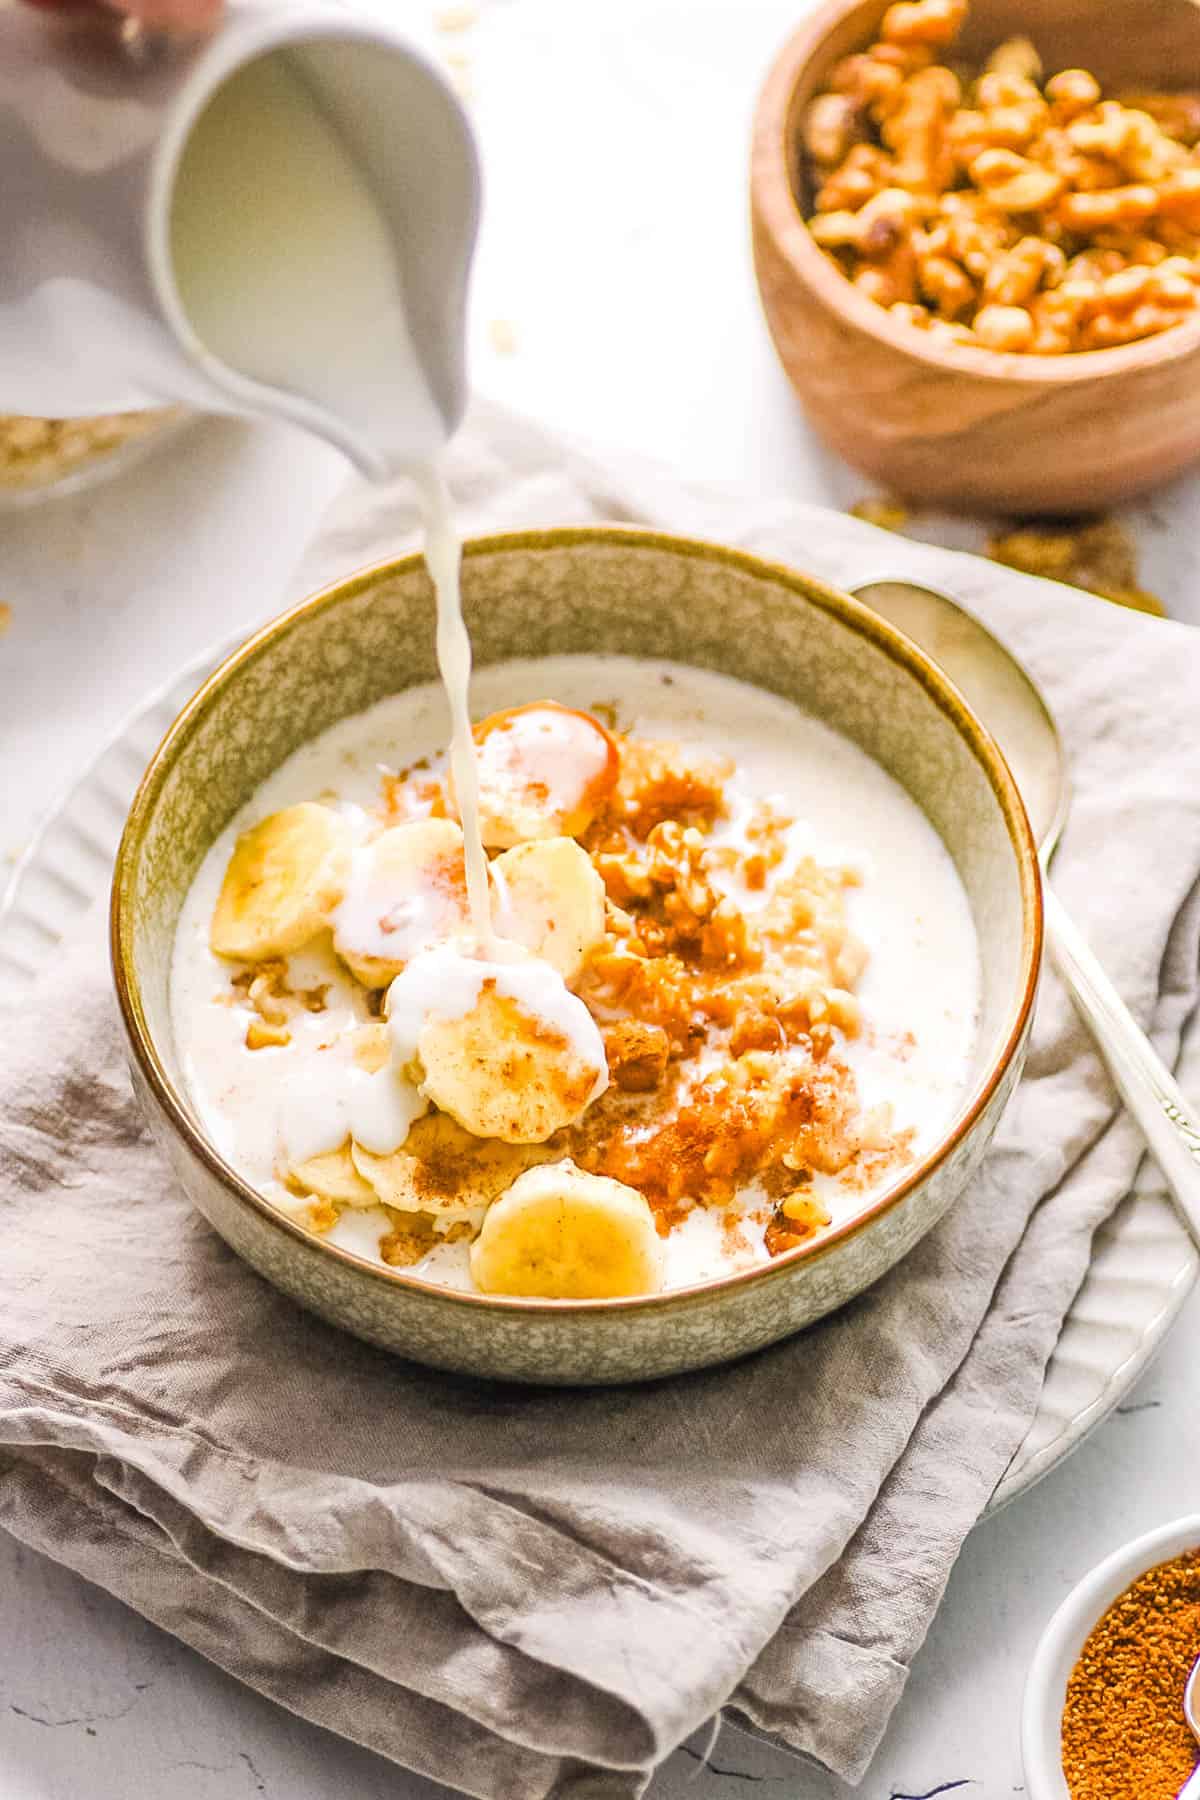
504,1047
333,1176
561,1234
544,771
285,876
502,1073
550,899
445,1171
406,890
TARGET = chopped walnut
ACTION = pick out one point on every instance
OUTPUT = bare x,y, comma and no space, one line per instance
799,1217
1097,555
803,1210
660,782
267,988
1176,114
411,1237
888,515
261,1035
972,212
638,1055
923,22
784,1100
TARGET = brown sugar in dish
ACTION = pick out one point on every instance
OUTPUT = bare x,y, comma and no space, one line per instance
1124,1735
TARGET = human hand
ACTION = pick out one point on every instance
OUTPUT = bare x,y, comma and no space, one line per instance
156,15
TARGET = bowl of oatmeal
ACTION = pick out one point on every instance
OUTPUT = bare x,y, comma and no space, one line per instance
977,240
707,1030
43,459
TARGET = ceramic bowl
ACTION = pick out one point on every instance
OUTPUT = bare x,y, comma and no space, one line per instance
955,425
600,589
1065,1636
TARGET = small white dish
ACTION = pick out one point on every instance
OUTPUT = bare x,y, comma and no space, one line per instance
1064,1638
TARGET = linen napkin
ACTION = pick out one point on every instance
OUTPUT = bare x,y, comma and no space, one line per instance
529,1594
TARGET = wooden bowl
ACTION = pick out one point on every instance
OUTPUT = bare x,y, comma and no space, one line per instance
951,424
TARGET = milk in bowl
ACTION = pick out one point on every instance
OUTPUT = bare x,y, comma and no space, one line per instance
645,978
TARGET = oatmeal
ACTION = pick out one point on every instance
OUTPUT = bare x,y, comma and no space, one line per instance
731,993
1009,207
37,453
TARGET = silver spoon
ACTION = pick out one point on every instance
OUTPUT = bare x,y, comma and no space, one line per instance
1191,1712
1013,710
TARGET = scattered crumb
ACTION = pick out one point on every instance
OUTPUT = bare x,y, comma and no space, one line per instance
889,515
503,336
14,854
262,1036
1097,555
409,1240
6,617
456,18
458,59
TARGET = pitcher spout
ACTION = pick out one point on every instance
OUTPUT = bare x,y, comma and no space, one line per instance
287,232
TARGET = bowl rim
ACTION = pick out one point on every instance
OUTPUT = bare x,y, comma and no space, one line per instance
779,210
1062,1640
852,613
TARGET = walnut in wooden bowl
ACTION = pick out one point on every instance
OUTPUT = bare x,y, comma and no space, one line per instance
978,253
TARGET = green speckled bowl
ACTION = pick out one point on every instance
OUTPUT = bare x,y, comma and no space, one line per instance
593,589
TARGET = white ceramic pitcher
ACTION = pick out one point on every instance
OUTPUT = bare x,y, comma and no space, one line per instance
280,221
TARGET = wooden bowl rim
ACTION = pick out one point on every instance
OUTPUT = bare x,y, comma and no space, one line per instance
808,590
778,207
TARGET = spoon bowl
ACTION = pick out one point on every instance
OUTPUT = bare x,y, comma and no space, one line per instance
1007,700
998,689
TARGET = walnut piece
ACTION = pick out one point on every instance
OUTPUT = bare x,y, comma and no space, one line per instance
999,212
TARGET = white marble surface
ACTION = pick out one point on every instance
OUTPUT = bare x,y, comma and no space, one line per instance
615,261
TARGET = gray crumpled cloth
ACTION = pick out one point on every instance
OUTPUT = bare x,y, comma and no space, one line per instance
529,1594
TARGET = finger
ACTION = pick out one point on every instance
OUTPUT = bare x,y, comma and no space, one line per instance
173,15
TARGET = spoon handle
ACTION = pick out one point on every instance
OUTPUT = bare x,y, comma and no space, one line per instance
1169,1124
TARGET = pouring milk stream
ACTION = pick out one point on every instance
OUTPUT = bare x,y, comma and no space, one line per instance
280,223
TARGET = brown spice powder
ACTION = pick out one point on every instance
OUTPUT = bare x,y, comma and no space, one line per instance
1123,1729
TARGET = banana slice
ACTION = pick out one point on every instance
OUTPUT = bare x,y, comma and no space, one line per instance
284,878
407,890
371,1047
332,1176
544,771
551,900
504,1070
443,1170
559,1234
